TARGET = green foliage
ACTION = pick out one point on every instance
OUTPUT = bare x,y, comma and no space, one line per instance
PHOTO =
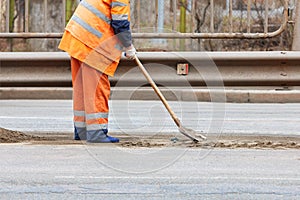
69,9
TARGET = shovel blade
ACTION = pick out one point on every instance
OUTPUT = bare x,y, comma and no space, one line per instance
190,133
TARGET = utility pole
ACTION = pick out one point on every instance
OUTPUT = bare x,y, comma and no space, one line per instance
296,40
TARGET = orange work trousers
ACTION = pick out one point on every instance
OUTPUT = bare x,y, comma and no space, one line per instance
91,91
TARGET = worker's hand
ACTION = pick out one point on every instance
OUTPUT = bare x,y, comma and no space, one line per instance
130,52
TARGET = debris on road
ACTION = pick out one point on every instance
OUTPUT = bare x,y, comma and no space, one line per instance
9,136
161,141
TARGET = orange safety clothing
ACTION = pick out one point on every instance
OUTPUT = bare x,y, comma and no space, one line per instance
91,91
94,38
90,36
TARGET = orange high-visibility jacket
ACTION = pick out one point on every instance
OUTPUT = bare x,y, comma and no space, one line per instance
97,32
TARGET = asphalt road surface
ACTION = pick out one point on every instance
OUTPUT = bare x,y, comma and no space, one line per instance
140,117
108,172
98,171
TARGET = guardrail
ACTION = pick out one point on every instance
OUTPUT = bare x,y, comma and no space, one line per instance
263,11
279,70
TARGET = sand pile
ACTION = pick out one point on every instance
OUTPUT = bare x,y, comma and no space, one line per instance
9,136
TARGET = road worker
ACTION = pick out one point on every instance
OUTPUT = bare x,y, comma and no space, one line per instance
95,37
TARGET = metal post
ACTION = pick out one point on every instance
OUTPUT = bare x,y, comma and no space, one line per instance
212,29
183,17
296,40
192,20
160,20
182,22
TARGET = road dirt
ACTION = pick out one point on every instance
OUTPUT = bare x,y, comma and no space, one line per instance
129,141
9,136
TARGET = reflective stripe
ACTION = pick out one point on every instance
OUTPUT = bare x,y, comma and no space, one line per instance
95,11
80,124
86,26
117,4
120,17
96,115
93,127
79,113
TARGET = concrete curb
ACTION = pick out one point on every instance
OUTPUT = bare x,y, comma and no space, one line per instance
172,94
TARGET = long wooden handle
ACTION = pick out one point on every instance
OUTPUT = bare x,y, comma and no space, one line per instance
157,91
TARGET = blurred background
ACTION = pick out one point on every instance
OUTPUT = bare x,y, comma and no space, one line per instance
218,25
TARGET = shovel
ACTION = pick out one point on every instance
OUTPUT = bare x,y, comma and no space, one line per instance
191,134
